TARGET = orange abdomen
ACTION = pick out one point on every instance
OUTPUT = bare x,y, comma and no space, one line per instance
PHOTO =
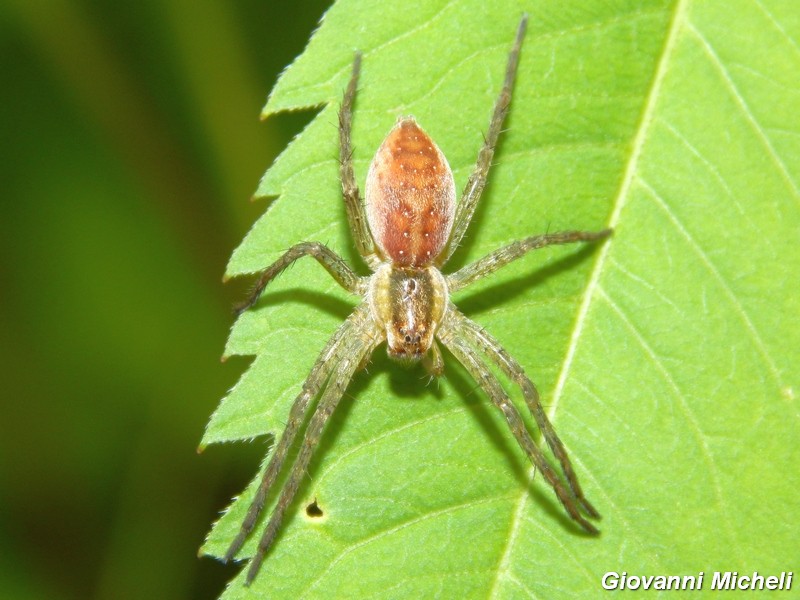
410,196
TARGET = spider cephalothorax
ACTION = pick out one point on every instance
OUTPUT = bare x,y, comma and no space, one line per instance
410,302
407,231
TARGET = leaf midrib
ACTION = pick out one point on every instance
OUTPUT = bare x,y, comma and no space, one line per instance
589,294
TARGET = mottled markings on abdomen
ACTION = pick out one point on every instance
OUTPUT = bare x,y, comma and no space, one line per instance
410,196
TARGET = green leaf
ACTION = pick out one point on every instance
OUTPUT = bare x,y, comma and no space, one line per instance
667,357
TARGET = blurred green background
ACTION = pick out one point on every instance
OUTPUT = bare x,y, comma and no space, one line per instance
130,147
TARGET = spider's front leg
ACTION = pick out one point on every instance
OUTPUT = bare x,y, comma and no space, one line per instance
480,338
348,357
454,336
333,263
320,372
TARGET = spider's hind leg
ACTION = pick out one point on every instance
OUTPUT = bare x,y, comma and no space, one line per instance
477,180
356,212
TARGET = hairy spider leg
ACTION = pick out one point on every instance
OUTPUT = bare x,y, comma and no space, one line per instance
453,335
333,263
477,180
356,213
348,358
491,348
502,256
324,365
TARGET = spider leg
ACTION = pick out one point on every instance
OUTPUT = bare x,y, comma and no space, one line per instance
348,358
480,338
333,263
453,335
502,256
477,180
356,213
311,386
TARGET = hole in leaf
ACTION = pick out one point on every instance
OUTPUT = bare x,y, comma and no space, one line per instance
313,510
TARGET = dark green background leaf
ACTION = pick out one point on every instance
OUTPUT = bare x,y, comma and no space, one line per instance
665,356
129,144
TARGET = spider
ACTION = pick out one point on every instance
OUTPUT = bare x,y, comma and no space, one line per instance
406,231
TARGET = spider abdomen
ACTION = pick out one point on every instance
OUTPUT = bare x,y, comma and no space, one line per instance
410,196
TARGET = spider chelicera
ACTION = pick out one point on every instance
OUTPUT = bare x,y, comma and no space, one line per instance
407,231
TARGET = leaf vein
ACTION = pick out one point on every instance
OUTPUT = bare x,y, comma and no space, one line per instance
704,258
691,419
776,24
707,163
716,61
